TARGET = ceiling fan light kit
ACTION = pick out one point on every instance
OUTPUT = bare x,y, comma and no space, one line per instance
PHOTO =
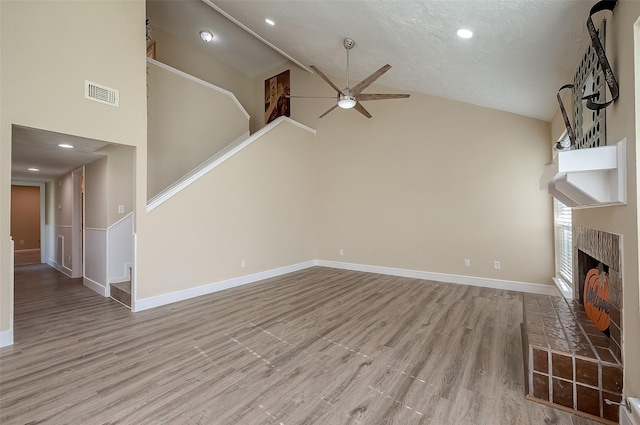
346,101
350,97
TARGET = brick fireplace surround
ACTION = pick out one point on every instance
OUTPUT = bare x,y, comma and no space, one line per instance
569,363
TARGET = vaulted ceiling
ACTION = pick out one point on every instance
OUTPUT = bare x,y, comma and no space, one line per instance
522,51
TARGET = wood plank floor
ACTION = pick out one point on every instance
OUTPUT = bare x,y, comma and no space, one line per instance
26,256
319,346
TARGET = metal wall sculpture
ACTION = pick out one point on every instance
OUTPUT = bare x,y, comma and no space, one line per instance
593,76
570,133
589,84
609,76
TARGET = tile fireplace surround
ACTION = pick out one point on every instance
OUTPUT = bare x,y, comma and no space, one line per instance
569,363
604,247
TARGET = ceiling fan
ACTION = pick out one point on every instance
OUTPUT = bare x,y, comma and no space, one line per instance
350,97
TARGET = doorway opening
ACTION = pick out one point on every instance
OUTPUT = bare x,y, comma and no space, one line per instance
27,222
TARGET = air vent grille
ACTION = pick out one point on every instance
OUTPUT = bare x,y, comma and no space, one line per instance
102,94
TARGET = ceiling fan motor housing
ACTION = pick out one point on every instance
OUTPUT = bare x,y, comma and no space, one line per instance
348,43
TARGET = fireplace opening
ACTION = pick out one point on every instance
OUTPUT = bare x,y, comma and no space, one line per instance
594,291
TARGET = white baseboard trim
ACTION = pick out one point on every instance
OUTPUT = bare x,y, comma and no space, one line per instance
95,286
172,297
534,288
62,269
6,338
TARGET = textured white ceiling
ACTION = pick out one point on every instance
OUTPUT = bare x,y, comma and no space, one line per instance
184,19
39,148
522,51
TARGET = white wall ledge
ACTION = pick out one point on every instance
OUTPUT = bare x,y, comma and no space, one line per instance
587,178
199,81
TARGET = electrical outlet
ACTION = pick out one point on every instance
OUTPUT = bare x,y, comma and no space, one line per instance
467,262
120,209
243,263
342,252
496,265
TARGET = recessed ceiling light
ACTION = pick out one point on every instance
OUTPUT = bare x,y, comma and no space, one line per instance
206,36
465,33
269,21
66,146
33,169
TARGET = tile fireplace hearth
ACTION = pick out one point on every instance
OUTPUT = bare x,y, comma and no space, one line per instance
572,347
568,360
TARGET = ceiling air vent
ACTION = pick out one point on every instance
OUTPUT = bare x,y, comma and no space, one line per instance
102,94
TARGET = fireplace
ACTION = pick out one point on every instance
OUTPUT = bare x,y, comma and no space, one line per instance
597,262
594,290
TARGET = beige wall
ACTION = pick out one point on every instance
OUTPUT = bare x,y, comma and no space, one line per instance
120,181
42,85
25,216
428,182
622,122
64,200
109,182
187,124
95,194
187,59
258,206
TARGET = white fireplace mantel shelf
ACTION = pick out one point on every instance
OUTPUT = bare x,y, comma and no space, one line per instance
587,178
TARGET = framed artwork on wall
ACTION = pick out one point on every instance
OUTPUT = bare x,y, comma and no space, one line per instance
276,97
151,49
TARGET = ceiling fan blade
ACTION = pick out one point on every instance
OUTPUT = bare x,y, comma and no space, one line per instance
331,109
325,78
361,109
370,79
370,96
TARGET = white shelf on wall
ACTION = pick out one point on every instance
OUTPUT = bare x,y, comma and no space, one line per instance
587,178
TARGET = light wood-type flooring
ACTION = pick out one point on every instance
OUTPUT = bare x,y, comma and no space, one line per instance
26,256
319,346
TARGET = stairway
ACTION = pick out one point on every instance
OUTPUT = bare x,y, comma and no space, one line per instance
121,292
